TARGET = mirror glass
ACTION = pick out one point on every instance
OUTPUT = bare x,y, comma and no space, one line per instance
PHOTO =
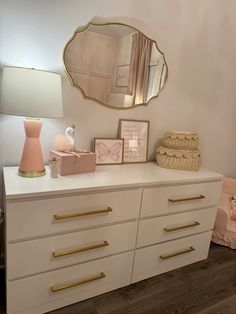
115,65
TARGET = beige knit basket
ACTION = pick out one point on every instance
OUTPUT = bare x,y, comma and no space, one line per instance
178,159
181,140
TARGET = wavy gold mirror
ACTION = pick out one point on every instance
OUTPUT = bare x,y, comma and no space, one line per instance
115,65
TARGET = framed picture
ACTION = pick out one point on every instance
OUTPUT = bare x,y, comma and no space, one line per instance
109,151
122,75
135,134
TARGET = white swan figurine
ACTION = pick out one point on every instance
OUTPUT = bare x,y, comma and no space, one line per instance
66,143
70,135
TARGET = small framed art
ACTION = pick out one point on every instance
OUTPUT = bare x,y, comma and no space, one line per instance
109,151
122,76
135,134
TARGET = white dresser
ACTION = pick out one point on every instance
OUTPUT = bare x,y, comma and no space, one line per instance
74,237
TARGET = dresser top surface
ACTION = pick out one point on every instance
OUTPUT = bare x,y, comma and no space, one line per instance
105,177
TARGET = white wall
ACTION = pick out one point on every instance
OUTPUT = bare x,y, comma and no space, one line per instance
197,37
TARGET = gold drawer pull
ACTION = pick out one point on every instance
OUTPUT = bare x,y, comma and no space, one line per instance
56,288
176,200
170,229
190,249
79,250
81,214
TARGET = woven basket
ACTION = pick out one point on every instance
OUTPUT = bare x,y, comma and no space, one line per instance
178,159
181,140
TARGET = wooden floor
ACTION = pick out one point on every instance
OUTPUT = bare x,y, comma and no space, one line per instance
197,288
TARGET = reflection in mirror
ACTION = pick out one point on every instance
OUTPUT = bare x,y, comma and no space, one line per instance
115,65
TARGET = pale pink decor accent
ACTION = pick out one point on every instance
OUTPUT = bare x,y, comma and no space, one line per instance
65,142
69,163
31,93
32,159
233,208
233,214
105,152
109,151
62,143
224,231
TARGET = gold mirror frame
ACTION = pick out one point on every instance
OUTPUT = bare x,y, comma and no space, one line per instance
82,29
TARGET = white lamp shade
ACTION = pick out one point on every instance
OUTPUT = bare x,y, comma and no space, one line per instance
31,93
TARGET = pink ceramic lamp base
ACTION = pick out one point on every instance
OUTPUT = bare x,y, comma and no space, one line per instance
32,164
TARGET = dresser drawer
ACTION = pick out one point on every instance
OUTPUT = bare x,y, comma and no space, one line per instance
160,258
171,199
45,254
86,280
160,229
47,216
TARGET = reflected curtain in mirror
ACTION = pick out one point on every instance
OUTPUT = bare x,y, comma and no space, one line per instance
139,68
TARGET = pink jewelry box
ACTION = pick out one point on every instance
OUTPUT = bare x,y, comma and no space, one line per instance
69,163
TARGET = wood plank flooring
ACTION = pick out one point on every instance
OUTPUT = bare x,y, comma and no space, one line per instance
197,288
227,306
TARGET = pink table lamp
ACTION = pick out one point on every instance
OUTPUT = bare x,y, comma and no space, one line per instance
34,93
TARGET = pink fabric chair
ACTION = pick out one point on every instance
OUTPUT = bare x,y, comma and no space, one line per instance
224,231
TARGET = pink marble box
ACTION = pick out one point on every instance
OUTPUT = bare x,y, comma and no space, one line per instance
71,164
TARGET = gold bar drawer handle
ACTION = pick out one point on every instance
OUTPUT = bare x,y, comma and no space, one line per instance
170,229
80,249
190,249
193,198
56,288
84,213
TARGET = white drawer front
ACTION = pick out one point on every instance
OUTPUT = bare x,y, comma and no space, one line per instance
160,229
157,259
36,218
36,290
45,254
171,199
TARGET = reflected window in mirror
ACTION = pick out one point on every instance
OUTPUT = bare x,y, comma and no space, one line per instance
115,65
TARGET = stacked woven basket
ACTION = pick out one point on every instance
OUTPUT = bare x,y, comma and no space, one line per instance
179,150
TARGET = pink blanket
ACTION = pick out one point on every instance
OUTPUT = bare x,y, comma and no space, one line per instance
225,226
